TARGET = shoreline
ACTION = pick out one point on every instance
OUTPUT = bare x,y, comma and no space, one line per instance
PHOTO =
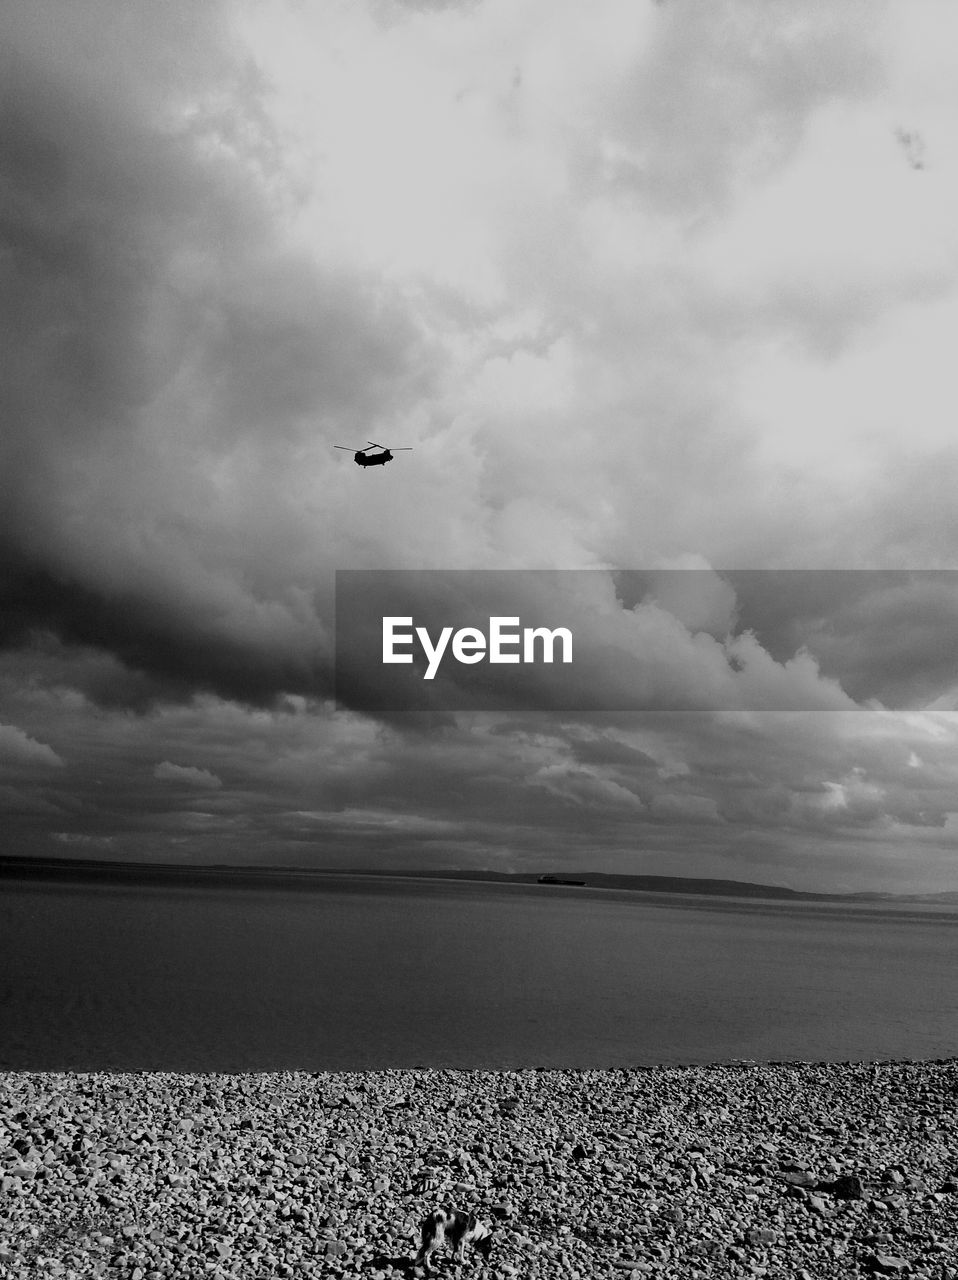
803,1169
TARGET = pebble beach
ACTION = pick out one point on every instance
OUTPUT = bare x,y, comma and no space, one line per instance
782,1170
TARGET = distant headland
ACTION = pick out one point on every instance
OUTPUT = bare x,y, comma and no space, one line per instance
125,872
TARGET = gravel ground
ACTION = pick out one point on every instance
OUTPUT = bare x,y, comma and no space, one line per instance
785,1170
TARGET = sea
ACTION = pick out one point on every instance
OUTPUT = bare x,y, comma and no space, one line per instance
371,973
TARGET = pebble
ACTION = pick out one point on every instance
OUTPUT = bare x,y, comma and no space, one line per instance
801,1169
887,1265
760,1236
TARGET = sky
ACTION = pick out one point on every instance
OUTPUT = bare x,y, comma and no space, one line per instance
643,286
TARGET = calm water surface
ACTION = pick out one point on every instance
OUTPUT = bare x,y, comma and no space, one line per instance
360,974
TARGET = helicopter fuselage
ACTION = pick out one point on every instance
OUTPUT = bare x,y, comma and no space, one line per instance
375,460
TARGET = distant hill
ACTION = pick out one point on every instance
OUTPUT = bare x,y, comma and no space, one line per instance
161,872
647,884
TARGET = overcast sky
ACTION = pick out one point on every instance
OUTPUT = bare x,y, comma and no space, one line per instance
644,285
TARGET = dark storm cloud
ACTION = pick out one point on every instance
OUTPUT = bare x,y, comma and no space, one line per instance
133,260
166,358
886,635
163,656
643,285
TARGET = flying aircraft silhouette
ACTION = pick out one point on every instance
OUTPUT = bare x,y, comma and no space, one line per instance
365,458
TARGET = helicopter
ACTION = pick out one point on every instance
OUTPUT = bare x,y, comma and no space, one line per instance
363,457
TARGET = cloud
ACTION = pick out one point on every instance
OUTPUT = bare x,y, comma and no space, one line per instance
576,785
188,775
17,748
79,840
687,808
218,272
645,286
173,361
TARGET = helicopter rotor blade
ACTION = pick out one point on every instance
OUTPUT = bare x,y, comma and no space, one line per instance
404,448
348,447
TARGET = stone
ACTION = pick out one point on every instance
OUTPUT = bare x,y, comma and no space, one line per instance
265,1186
759,1237
887,1264
847,1186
